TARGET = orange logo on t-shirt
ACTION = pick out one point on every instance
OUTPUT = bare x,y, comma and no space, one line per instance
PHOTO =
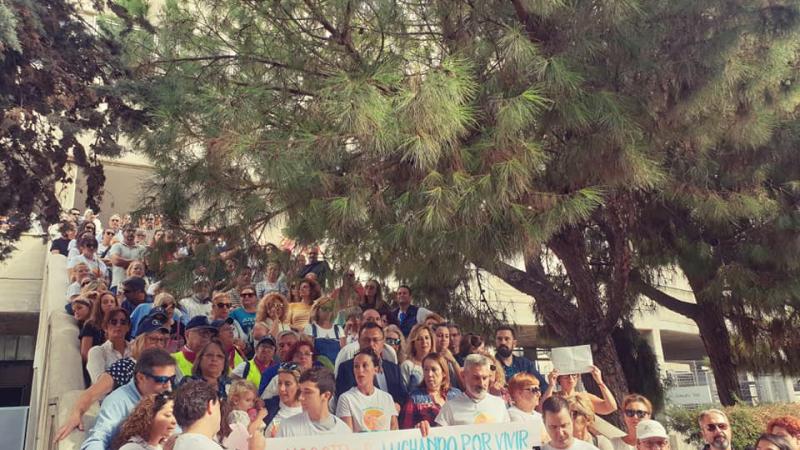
373,419
484,418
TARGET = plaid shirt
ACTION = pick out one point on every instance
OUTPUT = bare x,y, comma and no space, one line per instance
420,406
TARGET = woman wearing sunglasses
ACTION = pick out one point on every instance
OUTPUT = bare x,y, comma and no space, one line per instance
426,400
148,426
568,383
116,325
525,394
289,394
396,340
635,408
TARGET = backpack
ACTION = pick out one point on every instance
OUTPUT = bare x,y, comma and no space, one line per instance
326,349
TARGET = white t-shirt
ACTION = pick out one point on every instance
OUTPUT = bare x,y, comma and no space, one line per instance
301,425
518,415
94,264
463,410
73,290
194,441
324,333
283,413
349,351
619,444
118,274
577,444
369,412
193,308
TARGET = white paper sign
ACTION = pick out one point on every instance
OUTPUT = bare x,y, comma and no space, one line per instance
568,360
499,436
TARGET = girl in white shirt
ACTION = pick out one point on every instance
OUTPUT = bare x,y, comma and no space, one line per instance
148,426
364,407
289,394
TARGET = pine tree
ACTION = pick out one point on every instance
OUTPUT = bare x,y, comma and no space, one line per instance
55,75
423,139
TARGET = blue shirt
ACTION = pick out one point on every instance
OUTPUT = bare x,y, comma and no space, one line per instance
246,320
522,364
114,410
144,309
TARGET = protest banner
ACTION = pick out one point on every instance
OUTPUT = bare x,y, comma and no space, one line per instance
498,436
569,360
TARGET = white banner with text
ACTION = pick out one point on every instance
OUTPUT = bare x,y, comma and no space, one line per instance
498,436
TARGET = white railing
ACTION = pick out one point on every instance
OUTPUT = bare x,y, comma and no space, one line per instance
57,371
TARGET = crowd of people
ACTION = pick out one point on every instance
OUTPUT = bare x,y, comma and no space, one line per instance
260,351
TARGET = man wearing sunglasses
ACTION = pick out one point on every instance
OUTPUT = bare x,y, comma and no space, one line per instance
716,430
154,374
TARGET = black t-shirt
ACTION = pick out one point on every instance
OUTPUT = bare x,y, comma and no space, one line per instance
97,335
62,245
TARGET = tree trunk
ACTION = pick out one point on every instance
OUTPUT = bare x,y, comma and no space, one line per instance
606,359
717,342
708,316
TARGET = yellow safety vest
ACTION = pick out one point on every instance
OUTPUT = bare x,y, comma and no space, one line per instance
184,365
252,374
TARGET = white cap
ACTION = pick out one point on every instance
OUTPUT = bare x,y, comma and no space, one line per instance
647,429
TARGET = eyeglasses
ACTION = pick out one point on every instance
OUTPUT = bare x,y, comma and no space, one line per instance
116,322
248,294
160,379
393,341
163,340
224,305
712,427
637,412
306,354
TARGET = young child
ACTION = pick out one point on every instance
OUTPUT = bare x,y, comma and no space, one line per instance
247,413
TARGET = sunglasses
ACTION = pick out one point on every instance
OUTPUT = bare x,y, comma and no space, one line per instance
224,305
116,322
85,283
289,366
637,412
534,389
393,341
159,379
712,427
248,294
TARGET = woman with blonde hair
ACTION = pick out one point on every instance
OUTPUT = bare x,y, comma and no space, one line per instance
421,341
272,310
329,337
497,386
583,419
148,425
635,408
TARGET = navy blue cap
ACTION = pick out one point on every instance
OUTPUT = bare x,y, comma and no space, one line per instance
200,322
220,322
266,340
159,313
148,324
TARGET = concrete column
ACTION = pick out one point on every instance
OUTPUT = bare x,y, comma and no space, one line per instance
653,338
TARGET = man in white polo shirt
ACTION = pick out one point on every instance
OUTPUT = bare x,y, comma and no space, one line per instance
475,405
123,253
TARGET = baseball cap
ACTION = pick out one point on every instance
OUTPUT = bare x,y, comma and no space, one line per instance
134,284
647,429
266,340
200,322
148,324
159,313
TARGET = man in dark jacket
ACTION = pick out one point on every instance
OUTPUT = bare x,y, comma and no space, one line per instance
388,379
